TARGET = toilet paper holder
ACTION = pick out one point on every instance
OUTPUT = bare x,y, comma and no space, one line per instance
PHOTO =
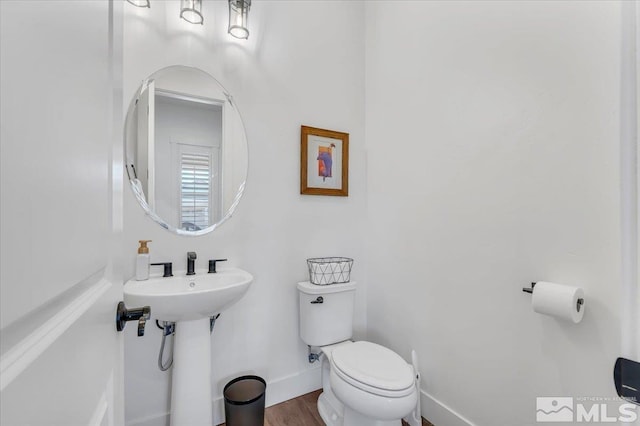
579,303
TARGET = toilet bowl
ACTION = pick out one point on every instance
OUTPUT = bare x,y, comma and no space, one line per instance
364,384
375,384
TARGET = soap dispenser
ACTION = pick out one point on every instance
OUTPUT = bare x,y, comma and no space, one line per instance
142,262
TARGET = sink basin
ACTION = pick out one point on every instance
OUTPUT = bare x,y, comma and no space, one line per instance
187,298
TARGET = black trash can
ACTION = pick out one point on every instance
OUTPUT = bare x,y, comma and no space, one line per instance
244,401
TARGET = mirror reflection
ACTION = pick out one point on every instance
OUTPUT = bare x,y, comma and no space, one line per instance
185,150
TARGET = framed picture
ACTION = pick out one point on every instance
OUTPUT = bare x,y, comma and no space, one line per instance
324,162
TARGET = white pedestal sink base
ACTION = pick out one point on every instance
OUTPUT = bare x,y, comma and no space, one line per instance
189,301
191,402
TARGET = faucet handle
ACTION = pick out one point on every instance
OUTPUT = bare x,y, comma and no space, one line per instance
168,268
141,324
191,255
212,265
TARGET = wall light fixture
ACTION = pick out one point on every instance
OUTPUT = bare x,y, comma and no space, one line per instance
191,11
239,18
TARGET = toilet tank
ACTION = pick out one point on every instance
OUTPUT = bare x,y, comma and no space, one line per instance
326,312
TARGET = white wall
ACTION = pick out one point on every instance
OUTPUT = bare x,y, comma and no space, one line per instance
295,69
493,161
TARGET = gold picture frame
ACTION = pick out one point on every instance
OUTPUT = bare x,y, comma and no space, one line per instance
324,162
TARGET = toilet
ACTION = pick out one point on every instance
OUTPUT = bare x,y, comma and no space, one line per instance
364,384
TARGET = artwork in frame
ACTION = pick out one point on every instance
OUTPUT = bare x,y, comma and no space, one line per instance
324,162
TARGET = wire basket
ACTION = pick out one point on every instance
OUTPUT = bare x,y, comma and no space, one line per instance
329,270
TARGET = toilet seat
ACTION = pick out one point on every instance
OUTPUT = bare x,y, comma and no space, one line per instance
374,369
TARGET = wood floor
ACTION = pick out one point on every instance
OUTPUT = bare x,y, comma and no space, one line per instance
300,411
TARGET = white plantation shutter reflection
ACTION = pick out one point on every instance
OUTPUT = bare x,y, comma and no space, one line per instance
195,189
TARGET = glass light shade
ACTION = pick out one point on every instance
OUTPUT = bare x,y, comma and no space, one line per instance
140,3
239,18
191,11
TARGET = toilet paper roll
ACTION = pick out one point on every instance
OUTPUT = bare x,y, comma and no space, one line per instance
558,300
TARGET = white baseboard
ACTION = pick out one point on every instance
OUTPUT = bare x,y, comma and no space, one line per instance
439,413
294,385
155,420
278,390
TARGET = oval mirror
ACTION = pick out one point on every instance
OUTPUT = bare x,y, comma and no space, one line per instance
185,150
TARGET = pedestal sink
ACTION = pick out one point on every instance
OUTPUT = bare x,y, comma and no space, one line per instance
190,301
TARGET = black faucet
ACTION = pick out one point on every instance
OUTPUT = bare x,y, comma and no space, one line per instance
191,263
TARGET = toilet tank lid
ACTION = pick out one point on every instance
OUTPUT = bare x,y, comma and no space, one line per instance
308,288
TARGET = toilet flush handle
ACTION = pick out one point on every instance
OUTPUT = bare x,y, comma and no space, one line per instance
319,299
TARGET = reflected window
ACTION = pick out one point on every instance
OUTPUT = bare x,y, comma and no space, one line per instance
195,187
